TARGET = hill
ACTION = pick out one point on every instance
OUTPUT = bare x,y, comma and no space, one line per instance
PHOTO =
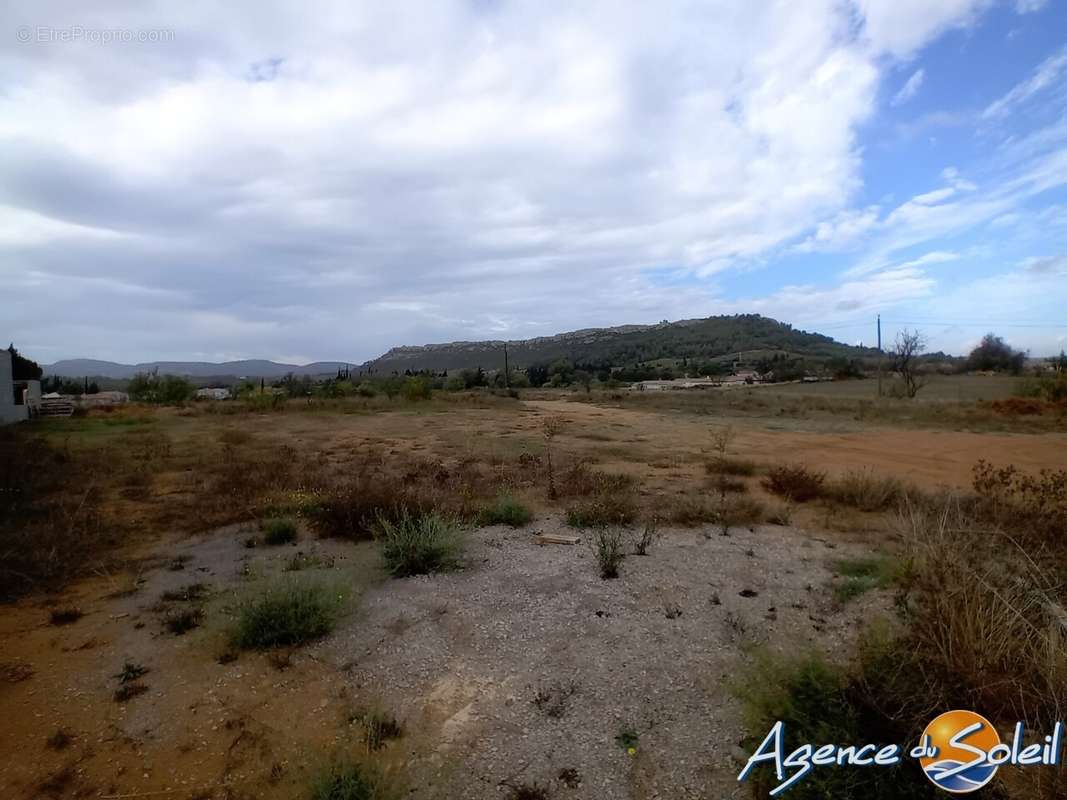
88,367
702,339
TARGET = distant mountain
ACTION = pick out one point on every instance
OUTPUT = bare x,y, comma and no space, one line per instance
88,367
704,339
707,339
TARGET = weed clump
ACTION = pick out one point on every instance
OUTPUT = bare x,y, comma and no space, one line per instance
183,620
65,616
420,545
506,510
608,548
858,576
130,672
279,531
378,727
725,465
820,702
286,615
864,490
794,481
350,780
648,536
601,511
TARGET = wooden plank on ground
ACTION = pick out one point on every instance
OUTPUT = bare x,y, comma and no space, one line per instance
556,538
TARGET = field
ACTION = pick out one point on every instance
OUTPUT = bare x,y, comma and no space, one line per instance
347,599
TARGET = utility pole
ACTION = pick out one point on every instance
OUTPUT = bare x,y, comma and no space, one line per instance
507,378
879,355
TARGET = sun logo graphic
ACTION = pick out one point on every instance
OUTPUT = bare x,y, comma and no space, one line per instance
957,748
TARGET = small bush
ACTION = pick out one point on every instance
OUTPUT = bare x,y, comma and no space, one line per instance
731,466
645,541
794,481
579,480
860,575
190,593
527,791
820,702
864,490
181,622
350,780
601,511
378,727
278,531
286,615
506,510
419,545
59,740
65,616
130,672
742,511
607,545
354,511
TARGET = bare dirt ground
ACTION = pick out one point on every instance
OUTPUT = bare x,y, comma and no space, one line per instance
460,659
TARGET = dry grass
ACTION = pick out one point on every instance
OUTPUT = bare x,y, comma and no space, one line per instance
794,482
864,490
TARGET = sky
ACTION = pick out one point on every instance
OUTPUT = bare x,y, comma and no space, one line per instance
207,181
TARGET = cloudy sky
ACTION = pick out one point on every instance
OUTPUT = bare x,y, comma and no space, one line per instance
323,181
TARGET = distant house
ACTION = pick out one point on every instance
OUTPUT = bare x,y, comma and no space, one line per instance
102,399
213,393
13,406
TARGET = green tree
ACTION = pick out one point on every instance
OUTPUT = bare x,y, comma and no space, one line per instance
22,368
994,354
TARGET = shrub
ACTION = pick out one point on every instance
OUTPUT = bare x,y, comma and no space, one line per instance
648,536
730,466
794,481
601,511
378,727
607,545
742,511
859,575
1051,388
183,620
506,510
350,780
1033,506
279,530
819,702
266,401
419,545
864,490
579,480
985,609
148,387
286,615
65,616
354,510
692,510
527,791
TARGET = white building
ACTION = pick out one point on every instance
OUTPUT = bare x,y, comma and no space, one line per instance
10,411
213,393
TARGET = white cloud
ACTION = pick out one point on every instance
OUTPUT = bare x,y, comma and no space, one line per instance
910,88
1029,6
337,182
842,230
1048,74
900,27
1045,265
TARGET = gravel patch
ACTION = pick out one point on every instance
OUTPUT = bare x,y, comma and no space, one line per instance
526,666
